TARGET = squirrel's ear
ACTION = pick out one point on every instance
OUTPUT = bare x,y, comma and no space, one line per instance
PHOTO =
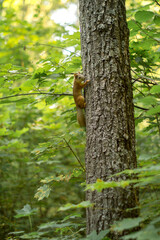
75,74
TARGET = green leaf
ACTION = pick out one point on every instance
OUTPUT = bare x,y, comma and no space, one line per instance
102,234
100,185
54,225
155,89
84,204
16,233
157,20
25,211
53,178
39,150
18,102
3,131
148,233
127,223
42,192
71,216
94,236
133,26
30,83
32,235
147,44
7,66
144,16
153,111
18,133
149,100
77,172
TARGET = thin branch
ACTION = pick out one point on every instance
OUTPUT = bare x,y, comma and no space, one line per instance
47,45
157,2
143,81
144,77
146,32
146,109
139,116
147,78
68,145
139,91
27,94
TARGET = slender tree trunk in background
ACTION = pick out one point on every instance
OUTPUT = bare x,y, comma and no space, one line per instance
110,146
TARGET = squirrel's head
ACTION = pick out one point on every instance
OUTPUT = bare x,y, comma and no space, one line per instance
79,77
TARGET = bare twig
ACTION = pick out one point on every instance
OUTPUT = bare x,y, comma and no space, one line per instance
139,91
27,94
143,81
69,146
146,109
146,32
157,2
147,78
139,116
144,77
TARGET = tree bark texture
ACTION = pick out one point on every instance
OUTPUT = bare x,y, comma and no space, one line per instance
110,146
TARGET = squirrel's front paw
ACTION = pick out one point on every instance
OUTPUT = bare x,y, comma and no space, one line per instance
87,81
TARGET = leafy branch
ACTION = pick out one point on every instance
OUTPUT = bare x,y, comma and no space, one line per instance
52,94
148,79
52,46
137,23
29,94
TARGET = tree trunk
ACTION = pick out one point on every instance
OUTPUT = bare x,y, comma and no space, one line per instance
110,129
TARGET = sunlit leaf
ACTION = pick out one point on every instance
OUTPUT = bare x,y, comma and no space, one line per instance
143,16
42,192
84,204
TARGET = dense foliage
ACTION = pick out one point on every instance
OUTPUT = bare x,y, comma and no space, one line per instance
42,147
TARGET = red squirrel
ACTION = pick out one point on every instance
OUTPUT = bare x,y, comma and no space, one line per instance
78,98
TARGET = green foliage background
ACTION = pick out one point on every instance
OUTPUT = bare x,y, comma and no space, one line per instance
41,144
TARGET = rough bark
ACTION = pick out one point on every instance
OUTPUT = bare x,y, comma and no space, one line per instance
110,146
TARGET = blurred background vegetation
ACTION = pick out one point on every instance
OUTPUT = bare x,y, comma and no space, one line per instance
41,145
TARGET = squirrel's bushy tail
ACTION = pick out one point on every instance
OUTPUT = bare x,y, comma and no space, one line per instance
81,117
